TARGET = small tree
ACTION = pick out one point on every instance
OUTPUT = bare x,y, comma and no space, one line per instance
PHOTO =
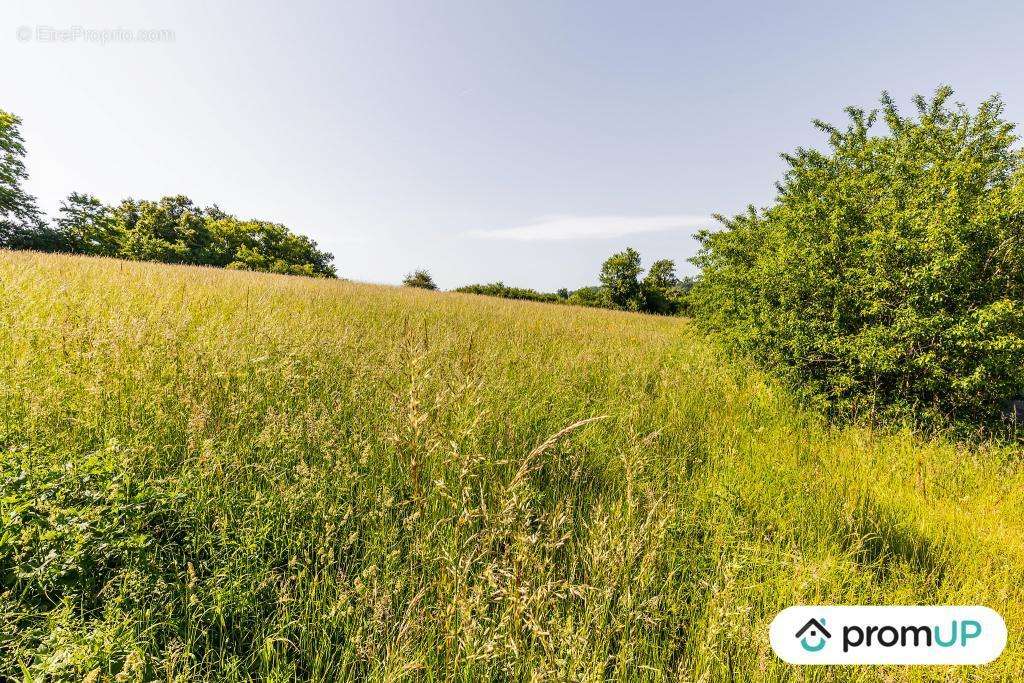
660,288
420,279
620,277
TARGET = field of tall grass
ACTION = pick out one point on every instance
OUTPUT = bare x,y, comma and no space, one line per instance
216,475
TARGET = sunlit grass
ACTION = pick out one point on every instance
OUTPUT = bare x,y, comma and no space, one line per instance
222,475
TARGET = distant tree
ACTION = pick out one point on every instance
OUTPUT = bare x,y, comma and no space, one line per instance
620,277
421,279
563,293
89,226
172,230
21,224
660,288
682,295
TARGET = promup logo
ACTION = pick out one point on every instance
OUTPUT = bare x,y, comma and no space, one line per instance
817,630
888,635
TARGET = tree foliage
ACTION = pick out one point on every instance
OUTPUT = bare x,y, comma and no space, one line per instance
660,291
620,277
21,224
171,230
888,276
266,246
420,279
89,226
663,292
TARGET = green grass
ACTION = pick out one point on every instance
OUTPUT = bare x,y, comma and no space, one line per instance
222,475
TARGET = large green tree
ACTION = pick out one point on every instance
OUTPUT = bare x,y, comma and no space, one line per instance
888,276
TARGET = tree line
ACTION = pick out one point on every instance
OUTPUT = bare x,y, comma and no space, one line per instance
660,291
169,230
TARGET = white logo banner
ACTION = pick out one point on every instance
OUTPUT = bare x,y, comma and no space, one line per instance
888,635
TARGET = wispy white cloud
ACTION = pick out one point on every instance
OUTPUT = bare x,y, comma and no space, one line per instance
553,228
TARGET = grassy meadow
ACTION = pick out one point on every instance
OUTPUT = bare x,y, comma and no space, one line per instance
217,475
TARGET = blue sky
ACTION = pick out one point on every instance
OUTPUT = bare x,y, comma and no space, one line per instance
520,141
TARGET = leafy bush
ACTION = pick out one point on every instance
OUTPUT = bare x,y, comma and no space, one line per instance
888,276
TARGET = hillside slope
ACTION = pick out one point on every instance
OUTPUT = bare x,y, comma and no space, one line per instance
221,475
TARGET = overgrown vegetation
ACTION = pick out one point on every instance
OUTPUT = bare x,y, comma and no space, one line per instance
215,475
171,230
888,276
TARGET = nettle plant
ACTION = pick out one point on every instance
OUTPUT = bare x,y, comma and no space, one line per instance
888,276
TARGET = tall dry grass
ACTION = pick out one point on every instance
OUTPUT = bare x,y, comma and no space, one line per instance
231,476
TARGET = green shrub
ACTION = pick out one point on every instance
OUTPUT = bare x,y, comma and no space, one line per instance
888,276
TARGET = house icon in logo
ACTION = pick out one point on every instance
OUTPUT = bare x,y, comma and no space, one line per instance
815,629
